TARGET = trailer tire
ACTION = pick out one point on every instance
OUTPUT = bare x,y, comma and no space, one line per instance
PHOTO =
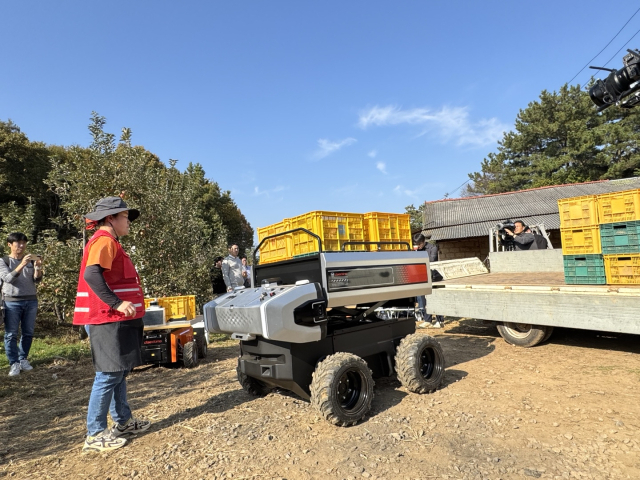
420,363
252,386
342,389
522,334
548,334
190,354
201,342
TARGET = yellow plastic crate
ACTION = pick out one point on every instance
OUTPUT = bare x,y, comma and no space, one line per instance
578,211
583,240
333,228
175,307
622,269
275,249
619,206
387,227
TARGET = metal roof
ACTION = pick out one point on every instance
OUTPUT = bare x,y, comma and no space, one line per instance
473,216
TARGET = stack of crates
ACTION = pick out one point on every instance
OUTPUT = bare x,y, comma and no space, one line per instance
334,229
387,227
176,308
601,238
581,248
619,214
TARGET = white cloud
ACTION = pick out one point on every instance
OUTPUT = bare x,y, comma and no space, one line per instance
373,153
419,193
382,167
257,192
327,147
450,123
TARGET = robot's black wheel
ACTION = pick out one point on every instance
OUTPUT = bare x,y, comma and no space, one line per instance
251,385
342,389
201,343
420,363
190,354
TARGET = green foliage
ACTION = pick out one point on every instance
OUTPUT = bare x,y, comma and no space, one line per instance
185,220
16,218
416,216
561,139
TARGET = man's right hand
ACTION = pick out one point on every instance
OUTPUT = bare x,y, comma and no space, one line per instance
229,289
127,308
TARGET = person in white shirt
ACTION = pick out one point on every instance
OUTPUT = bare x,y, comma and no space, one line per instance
232,269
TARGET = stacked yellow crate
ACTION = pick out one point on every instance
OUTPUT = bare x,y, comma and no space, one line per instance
334,229
580,232
619,214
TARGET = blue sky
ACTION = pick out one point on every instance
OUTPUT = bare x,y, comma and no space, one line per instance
296,106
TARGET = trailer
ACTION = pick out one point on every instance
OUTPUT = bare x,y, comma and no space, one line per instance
323,325
526,296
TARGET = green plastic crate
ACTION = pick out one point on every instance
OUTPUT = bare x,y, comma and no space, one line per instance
620,237
584,270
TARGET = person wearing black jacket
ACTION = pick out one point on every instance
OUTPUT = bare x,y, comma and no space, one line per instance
217,281
423,245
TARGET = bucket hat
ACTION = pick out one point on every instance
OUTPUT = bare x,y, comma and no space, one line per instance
111,206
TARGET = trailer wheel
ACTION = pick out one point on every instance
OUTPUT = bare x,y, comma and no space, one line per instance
252,386
420,363
522,334
342,389
190,354
201,343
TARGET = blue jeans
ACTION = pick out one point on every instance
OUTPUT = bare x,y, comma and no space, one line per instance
109,394
422,306
19,314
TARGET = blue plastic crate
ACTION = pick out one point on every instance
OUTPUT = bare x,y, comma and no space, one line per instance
620,237
584,270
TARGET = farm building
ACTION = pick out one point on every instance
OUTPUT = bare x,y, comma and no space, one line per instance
460,226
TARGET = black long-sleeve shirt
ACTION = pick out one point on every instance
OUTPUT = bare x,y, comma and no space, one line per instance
95,279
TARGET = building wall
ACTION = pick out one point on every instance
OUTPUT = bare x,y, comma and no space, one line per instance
463,248
478,247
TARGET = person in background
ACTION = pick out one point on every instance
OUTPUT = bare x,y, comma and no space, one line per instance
421,241
217,281
523,238
232,269
110,300
19,273
246,272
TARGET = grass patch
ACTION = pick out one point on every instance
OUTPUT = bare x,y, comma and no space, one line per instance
45,350
219,337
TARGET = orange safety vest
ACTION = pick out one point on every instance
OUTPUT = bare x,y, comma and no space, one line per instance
123,279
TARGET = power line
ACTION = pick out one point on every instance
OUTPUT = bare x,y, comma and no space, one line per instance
454,191
616,54
614,37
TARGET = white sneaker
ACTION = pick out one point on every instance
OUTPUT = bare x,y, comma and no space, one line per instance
133,426
14,371
25,365
436,325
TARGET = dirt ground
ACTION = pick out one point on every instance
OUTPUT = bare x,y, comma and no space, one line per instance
565,409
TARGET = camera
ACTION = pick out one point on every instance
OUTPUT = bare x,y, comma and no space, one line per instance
506,240
620,85
506,225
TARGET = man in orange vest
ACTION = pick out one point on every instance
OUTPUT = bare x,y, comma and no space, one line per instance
111,302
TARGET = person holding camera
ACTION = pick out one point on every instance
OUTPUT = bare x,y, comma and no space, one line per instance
110,299
521,236
19,273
